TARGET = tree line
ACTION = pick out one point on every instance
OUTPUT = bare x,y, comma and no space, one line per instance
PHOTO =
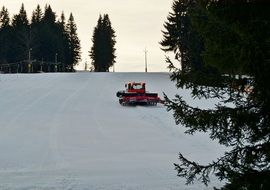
45,44
222,51
42,44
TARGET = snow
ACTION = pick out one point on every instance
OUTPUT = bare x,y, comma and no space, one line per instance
67,131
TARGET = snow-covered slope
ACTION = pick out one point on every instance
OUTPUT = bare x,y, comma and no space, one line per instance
68,132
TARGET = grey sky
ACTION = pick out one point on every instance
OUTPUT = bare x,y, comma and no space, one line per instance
138,25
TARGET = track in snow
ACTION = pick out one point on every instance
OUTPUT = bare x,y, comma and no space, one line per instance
68,131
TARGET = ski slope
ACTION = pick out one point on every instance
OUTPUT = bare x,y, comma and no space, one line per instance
67,131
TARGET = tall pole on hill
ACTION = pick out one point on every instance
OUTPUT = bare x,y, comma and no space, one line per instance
145,59
29,60
55,65
85,65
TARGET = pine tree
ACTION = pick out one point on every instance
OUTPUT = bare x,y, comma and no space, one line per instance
36,34
74,43
49,36
37,15
96,51
110,38
236,43
49,16
5,31
65,54
20,20
103,50
181,38
21,36
177,32
4,18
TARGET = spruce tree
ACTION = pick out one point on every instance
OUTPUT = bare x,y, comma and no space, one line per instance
74,43
37,15
21,36
5,31
49,16
181,38
4,18
236,44
177,33
103,50
65,56
49,36
36,34
20,20
96,51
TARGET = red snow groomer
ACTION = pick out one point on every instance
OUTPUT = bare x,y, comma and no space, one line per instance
135,93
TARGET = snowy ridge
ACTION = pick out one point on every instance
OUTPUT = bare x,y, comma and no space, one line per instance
68,131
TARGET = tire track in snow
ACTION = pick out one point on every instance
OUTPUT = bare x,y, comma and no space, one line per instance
55,125
13,125
96,107
66,181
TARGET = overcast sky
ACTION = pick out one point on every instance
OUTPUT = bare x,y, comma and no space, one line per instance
138,25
